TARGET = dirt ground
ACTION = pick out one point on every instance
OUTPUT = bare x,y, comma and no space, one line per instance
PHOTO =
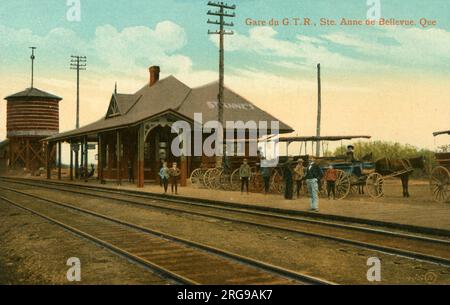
418,210
321,258
32,251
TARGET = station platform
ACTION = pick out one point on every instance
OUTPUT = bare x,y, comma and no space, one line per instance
417,211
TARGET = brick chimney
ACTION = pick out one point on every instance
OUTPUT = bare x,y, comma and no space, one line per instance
154,75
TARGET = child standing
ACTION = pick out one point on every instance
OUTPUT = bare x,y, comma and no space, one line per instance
331,177
174,173
164,175
244,173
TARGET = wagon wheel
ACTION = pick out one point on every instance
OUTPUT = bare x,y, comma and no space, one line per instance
214,178
343,184
374,185
225,180
357,185
205,178
256,181
197,177
208,177
276,182
235,181
439,182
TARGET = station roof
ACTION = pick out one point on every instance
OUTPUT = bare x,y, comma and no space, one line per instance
321,138
32,93
437,133
170,94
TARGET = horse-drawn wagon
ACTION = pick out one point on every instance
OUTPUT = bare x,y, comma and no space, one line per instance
353,175
440,175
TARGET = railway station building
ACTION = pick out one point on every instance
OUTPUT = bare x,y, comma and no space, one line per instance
135,132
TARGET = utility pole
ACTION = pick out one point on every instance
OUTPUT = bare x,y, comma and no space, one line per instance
319,111
221,13
32,65
77,63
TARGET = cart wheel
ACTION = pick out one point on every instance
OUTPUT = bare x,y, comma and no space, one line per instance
343,185
358,185
374,185
225,180
214,178
197,177
256,181
439,182
207,177
235,180
276,182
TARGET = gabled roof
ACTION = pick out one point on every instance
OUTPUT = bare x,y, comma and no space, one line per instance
124,102
170,94
31,93
204,100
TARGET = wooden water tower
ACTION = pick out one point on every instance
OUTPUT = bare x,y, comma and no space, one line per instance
32,115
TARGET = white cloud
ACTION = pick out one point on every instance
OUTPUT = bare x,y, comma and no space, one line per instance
304,50
125,50
380,49
405,47
129,49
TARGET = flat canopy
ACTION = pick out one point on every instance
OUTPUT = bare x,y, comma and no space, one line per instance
321,138
437,133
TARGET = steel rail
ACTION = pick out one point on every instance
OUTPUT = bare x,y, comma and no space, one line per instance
381,248
269,268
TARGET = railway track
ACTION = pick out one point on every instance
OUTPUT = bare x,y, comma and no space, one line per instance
179,260
411,246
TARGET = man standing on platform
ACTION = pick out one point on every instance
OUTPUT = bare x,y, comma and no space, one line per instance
244,173
265,174
313,175
164,176
174,173
299,175
288,179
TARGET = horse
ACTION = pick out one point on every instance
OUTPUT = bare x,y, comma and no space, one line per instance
357,171
404,166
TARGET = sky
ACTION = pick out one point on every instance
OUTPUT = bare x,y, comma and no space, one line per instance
390,82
